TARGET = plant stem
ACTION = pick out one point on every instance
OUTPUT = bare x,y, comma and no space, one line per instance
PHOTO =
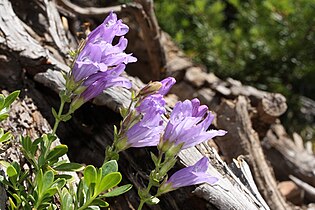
147,190
87,203
57,120
141,204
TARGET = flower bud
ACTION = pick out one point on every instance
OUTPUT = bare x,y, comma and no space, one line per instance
150,88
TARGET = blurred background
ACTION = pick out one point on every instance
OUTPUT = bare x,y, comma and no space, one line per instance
269,44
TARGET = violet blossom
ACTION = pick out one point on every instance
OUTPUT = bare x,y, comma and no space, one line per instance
167,83
191,175
188,125
147,131
100,63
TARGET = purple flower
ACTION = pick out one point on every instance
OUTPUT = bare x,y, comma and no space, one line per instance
147,131
188,124
110,28
167,83
100,56
100,63
191,175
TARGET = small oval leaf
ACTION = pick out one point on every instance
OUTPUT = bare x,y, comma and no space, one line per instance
109,181
109,167
90,175
99,202
11,171
69,167
118,191
57,152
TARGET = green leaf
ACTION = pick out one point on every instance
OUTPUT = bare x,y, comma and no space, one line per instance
48,180
11,98
2,100
66,200
59,183
109,181
154,158
17,167
69,167
37,141
65,118
109,167
50,137
57,152
5,137
26,142
17,198
54,113
63,176
90,175
50,192
99,202
12,204
81,193
3,116
11,171
118,191
123,112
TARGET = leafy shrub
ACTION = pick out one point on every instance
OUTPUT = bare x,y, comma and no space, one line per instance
265,43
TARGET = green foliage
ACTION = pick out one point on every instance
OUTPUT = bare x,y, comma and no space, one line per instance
265,43
5,103
95,182
38,187
38,190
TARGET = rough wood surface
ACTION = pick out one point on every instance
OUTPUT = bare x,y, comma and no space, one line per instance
235,118
289,158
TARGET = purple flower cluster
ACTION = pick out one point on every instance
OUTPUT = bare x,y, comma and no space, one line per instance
147,131
191,175
100,63
186,127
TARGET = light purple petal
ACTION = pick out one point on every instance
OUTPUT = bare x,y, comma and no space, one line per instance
192,175
167,83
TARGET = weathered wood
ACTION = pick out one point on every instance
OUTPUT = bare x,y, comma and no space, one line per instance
286,157
234,117
88,11
309,190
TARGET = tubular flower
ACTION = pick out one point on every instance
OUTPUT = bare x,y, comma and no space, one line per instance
188,125
167,83
99,64
191,175
147,131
